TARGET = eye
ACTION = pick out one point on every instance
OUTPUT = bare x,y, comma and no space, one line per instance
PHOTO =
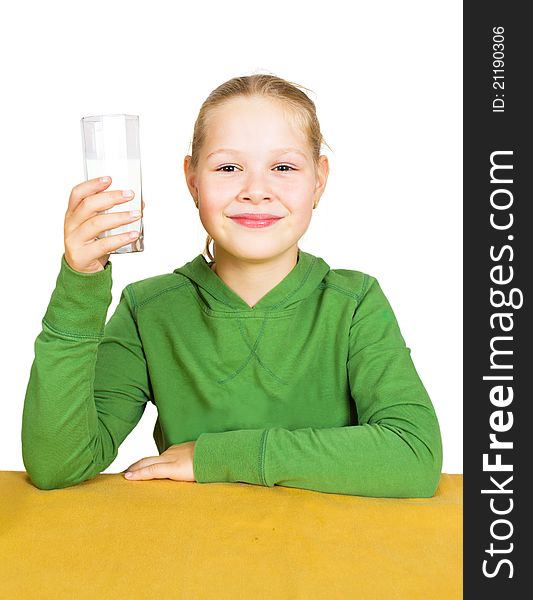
224,167
288,167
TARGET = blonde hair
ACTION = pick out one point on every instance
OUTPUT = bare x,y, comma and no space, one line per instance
300,108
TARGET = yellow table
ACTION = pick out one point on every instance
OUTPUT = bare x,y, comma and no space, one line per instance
111,538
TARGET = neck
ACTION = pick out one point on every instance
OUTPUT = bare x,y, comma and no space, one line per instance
251,280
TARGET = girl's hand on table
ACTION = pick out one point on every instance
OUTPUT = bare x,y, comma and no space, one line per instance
176,463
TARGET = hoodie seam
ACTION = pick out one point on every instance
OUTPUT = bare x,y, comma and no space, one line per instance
313,263
130,294
350,293
208,287
237,370
74,335
156,294
297,289
238,312
252,354
269,314
262,455
235,313
253,350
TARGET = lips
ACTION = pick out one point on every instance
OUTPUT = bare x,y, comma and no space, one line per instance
256,216
255,220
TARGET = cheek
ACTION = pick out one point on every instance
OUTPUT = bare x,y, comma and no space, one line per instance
293,185
299,216
214,184
212,212
298,200
213,195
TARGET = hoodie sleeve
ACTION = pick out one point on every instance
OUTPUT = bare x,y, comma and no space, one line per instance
88,383
394,451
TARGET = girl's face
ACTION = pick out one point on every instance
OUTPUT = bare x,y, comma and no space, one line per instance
254,160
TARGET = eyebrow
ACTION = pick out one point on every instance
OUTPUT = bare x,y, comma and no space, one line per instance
279,151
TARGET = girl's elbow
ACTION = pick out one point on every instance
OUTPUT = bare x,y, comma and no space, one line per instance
420,482
424,468
430,470
429,483
430,463
41,480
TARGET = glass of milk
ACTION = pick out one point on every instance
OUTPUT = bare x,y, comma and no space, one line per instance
111,147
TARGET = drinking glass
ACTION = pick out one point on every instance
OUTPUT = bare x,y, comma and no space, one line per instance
111,147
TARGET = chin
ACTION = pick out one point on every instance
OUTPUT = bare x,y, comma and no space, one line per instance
257,251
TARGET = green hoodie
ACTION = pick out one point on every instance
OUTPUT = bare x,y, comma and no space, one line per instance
313,387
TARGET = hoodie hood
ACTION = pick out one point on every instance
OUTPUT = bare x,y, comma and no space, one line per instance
303,280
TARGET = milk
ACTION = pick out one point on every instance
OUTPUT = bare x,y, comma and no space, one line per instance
125,175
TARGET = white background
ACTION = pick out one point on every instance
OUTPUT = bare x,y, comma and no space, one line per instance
387,82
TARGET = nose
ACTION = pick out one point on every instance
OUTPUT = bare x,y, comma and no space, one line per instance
255,189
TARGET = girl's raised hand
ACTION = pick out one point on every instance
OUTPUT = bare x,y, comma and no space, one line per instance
176,463
83,252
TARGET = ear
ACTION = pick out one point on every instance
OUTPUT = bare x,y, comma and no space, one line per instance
321,176
190,177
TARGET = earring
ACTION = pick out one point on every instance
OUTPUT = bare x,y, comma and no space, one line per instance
315,204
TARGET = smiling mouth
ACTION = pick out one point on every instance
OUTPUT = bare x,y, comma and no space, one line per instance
258,216
255,220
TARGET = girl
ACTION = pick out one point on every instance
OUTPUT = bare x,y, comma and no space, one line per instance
266,366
